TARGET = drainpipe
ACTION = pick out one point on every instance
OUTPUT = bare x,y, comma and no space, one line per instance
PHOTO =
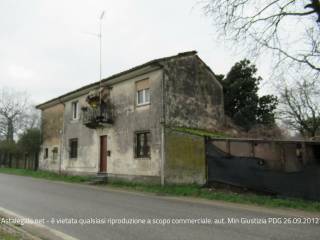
61,138
163,156
41,137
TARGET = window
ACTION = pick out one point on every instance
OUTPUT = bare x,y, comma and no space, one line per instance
143,92
55,151
143,97
46,153
73,145
142,140
74,110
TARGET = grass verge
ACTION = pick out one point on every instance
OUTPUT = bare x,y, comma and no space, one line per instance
45,175
6,236
182,190
222,195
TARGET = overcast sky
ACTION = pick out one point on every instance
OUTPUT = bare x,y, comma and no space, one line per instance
47,50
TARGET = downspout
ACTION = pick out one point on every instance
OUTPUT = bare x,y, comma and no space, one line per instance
61,137
163,121
41,137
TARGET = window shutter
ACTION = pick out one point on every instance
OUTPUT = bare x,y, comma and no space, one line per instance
143,84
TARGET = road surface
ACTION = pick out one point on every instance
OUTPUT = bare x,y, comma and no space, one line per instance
38,199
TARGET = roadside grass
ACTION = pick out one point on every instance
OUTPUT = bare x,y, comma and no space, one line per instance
45,175
221,195
6,236
181,190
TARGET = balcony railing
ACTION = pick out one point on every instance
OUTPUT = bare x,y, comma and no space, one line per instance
96,117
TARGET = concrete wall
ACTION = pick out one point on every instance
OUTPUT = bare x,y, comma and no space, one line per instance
185,158
278,155
193,96
277,167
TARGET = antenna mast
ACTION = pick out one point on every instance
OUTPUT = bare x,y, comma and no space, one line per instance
100,56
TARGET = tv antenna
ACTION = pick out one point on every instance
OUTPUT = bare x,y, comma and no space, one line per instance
100,55
99,35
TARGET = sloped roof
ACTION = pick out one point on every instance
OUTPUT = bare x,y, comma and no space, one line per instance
149,63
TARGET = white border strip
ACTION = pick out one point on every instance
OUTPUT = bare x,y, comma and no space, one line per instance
37,227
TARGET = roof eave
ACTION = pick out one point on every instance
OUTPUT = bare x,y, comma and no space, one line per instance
105,82
153,64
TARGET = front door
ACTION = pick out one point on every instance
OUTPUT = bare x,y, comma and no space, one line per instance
103,154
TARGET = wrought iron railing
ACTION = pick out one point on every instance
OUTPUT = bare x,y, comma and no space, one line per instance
96,117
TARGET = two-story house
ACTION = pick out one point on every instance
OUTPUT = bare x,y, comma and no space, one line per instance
117,126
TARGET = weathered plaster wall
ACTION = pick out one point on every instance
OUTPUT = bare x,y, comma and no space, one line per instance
128,118
52,122
185,158
193,96
87,140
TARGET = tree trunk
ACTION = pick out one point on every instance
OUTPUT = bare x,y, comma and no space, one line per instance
25,161
10,160
36,161
10,130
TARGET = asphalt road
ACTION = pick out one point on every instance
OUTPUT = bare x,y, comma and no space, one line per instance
43,199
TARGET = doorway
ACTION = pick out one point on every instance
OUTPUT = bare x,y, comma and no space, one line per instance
103,154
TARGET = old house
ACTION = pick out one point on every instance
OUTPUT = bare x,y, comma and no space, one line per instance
120,126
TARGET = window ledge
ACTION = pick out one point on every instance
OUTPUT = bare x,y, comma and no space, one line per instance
143,104
75,120
142,158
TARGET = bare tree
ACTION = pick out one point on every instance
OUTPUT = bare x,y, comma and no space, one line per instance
14,107
289,28
300,108
31,119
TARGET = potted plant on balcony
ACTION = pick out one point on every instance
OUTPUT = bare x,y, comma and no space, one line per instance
93,99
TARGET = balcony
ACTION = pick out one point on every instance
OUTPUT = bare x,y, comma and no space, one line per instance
98,117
